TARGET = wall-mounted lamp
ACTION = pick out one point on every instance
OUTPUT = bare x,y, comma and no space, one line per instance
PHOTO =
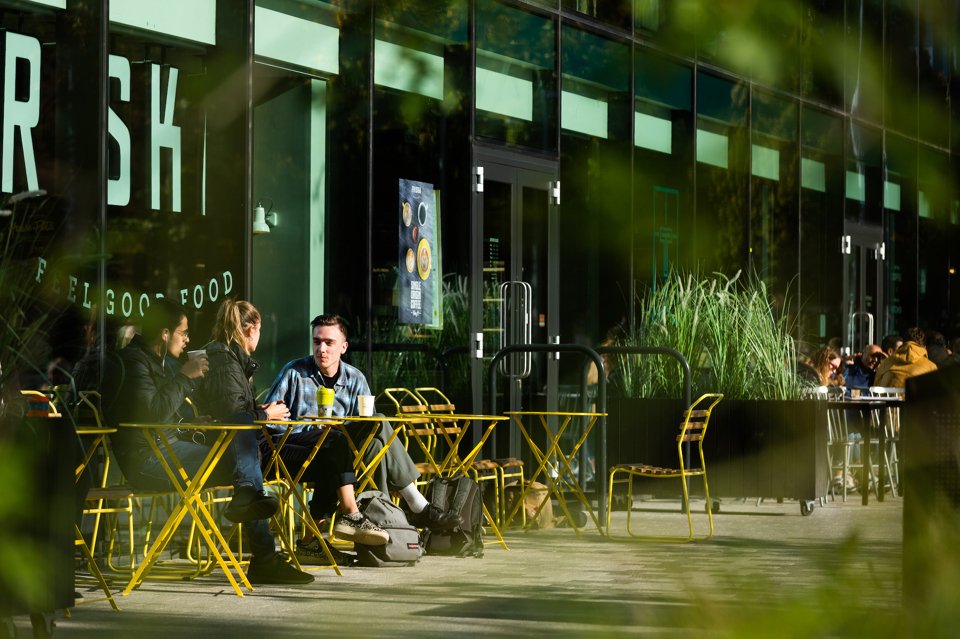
263,221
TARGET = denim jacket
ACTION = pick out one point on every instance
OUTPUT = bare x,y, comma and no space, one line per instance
299,380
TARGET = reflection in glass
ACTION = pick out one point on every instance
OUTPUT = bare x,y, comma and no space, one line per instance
774,204
934,201
595,174
662,156
821,226
418,62
516,81
900,232
722,242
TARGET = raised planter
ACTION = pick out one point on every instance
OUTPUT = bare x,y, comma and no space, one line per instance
40,454
754,448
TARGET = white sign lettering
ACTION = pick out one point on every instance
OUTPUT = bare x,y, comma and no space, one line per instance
197,295
23,115
118,190
163,133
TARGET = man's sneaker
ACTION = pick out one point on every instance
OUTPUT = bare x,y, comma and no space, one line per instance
311,554
435,519
360,530
249,504
274,570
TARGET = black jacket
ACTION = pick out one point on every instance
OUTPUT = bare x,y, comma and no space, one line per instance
226,392
139,386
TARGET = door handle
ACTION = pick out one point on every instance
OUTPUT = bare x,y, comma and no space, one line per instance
846,244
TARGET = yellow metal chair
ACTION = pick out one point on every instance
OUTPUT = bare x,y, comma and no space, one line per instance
481,470
40,404
406,402
692,429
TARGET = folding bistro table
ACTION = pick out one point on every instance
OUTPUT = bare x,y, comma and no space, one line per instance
189,489
553,463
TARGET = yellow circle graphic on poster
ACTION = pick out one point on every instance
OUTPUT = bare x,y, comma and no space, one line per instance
424,260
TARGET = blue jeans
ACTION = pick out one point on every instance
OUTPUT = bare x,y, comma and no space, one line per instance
239,466
330,469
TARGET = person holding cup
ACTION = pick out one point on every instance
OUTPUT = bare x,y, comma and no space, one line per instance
144,384
297,386
227,393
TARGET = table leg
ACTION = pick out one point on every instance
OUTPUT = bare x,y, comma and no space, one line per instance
293,489
881,453
574,484
189,492
865,459
365,476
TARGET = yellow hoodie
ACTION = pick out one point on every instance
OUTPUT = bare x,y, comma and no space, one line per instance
909,360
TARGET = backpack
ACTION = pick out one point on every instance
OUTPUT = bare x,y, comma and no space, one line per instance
534,496
461,495
403,549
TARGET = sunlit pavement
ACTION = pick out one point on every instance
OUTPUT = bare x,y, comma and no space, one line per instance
768,571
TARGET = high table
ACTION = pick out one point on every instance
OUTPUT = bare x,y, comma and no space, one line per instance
864,406
451,428
189,488
558,460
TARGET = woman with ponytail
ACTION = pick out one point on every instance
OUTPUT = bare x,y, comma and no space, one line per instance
227,394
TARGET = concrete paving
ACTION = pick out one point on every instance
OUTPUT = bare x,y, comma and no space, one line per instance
768,572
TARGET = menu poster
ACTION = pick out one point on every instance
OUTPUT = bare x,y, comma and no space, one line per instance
419,271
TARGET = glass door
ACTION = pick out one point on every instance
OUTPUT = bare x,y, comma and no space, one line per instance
516,296
864,253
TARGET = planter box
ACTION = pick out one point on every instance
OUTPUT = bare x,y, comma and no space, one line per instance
44,453
754,448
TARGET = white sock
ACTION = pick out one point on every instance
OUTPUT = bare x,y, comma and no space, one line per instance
414,499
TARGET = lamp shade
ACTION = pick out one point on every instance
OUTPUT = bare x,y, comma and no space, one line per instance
260,221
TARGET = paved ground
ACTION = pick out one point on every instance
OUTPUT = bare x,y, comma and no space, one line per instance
768,572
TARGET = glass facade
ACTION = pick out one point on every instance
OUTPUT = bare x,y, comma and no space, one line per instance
585,148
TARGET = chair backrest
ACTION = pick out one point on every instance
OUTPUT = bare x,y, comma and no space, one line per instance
193,407
435,400
405,401
696,419
40,404
887,391
87,410
836,426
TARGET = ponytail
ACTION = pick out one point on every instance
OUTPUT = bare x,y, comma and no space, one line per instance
233,318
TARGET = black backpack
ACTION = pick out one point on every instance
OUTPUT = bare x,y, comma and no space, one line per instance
403,549
460,495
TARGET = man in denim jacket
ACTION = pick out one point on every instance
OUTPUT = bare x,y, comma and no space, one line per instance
297,386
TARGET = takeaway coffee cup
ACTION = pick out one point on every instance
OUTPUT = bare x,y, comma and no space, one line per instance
365,405
195,354
325,397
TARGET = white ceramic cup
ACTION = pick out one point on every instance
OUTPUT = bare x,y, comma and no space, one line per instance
197,353
365,404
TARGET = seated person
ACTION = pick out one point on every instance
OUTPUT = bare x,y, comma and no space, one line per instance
862,372
909,360
297,385
141,386
226,393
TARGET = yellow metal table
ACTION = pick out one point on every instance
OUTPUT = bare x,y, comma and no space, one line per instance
365,469
554,458
189,488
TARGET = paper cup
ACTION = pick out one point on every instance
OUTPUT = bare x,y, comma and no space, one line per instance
365,405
